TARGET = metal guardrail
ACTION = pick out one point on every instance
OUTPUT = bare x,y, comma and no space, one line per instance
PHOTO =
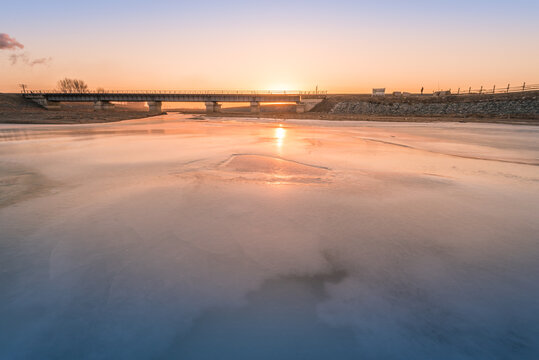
183,92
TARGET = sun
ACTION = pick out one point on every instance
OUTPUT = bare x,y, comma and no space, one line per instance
281,87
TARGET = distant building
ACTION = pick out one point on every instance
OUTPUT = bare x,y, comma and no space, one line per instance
379,92
397,93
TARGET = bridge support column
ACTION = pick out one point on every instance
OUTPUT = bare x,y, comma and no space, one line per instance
103,105
213,106
154,107
300,107
311,103
255,106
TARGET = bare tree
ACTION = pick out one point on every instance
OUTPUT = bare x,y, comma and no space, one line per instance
72,86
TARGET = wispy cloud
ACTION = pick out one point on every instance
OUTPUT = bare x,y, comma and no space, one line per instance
9,43
25,59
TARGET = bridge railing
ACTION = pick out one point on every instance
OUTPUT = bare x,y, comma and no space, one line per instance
184,92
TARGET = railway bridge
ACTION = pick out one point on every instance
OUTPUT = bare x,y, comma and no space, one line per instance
103,100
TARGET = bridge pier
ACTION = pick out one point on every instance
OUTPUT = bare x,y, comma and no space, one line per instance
213,106
255,106
300,107
311,103
103,105
154,107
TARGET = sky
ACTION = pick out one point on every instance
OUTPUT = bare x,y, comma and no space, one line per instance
342,46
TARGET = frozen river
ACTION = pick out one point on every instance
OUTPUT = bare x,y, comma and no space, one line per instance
188,238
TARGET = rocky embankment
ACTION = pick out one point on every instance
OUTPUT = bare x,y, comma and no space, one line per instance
517,105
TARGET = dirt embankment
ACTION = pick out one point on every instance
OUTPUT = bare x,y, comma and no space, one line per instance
16,109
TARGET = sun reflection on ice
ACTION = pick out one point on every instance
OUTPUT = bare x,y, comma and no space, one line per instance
280,135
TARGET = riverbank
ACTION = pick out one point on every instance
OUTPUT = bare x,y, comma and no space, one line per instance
90,116
523,105
14,109
516,109
68,116
363,117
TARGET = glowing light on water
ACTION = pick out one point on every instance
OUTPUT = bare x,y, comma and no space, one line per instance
280,135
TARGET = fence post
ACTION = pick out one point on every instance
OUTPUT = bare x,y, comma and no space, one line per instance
458,91
508,88
524,86
481,90
470,90
493,89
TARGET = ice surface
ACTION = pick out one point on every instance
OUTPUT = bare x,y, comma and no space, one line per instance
249,239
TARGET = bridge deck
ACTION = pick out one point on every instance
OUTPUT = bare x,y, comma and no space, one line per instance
178,96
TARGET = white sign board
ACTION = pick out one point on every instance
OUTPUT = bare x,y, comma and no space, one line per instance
379,92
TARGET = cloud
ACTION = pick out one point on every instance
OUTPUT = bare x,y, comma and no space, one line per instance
25,59
9,43
40,61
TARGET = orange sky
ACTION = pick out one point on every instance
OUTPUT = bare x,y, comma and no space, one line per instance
239,47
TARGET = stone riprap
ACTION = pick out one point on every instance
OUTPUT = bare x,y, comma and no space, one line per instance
526,105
